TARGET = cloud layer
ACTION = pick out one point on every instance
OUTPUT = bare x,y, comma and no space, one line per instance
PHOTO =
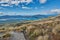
10,2
16,2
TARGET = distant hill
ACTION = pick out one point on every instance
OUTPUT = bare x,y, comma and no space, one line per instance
26,16
45,29
18,18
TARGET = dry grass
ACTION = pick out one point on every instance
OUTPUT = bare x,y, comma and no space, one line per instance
47,29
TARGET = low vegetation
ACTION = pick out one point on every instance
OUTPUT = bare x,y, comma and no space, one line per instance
46,29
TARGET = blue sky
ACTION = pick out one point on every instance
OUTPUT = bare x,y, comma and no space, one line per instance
31,7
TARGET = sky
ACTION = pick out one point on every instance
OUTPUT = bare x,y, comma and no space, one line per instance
29,7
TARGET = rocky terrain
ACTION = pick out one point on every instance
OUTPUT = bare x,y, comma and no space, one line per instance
44,29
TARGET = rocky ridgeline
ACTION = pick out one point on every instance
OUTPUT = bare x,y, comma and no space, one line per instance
46,29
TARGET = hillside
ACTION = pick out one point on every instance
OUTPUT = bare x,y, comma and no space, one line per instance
45,29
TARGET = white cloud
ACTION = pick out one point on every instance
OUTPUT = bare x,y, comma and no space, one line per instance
28,1
50,12
55,10
4,1
43,1
24,7
5,5
16,2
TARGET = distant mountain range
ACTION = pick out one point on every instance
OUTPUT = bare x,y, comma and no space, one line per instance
26,16
14,18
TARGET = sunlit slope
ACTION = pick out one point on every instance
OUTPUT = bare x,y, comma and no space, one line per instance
45,29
